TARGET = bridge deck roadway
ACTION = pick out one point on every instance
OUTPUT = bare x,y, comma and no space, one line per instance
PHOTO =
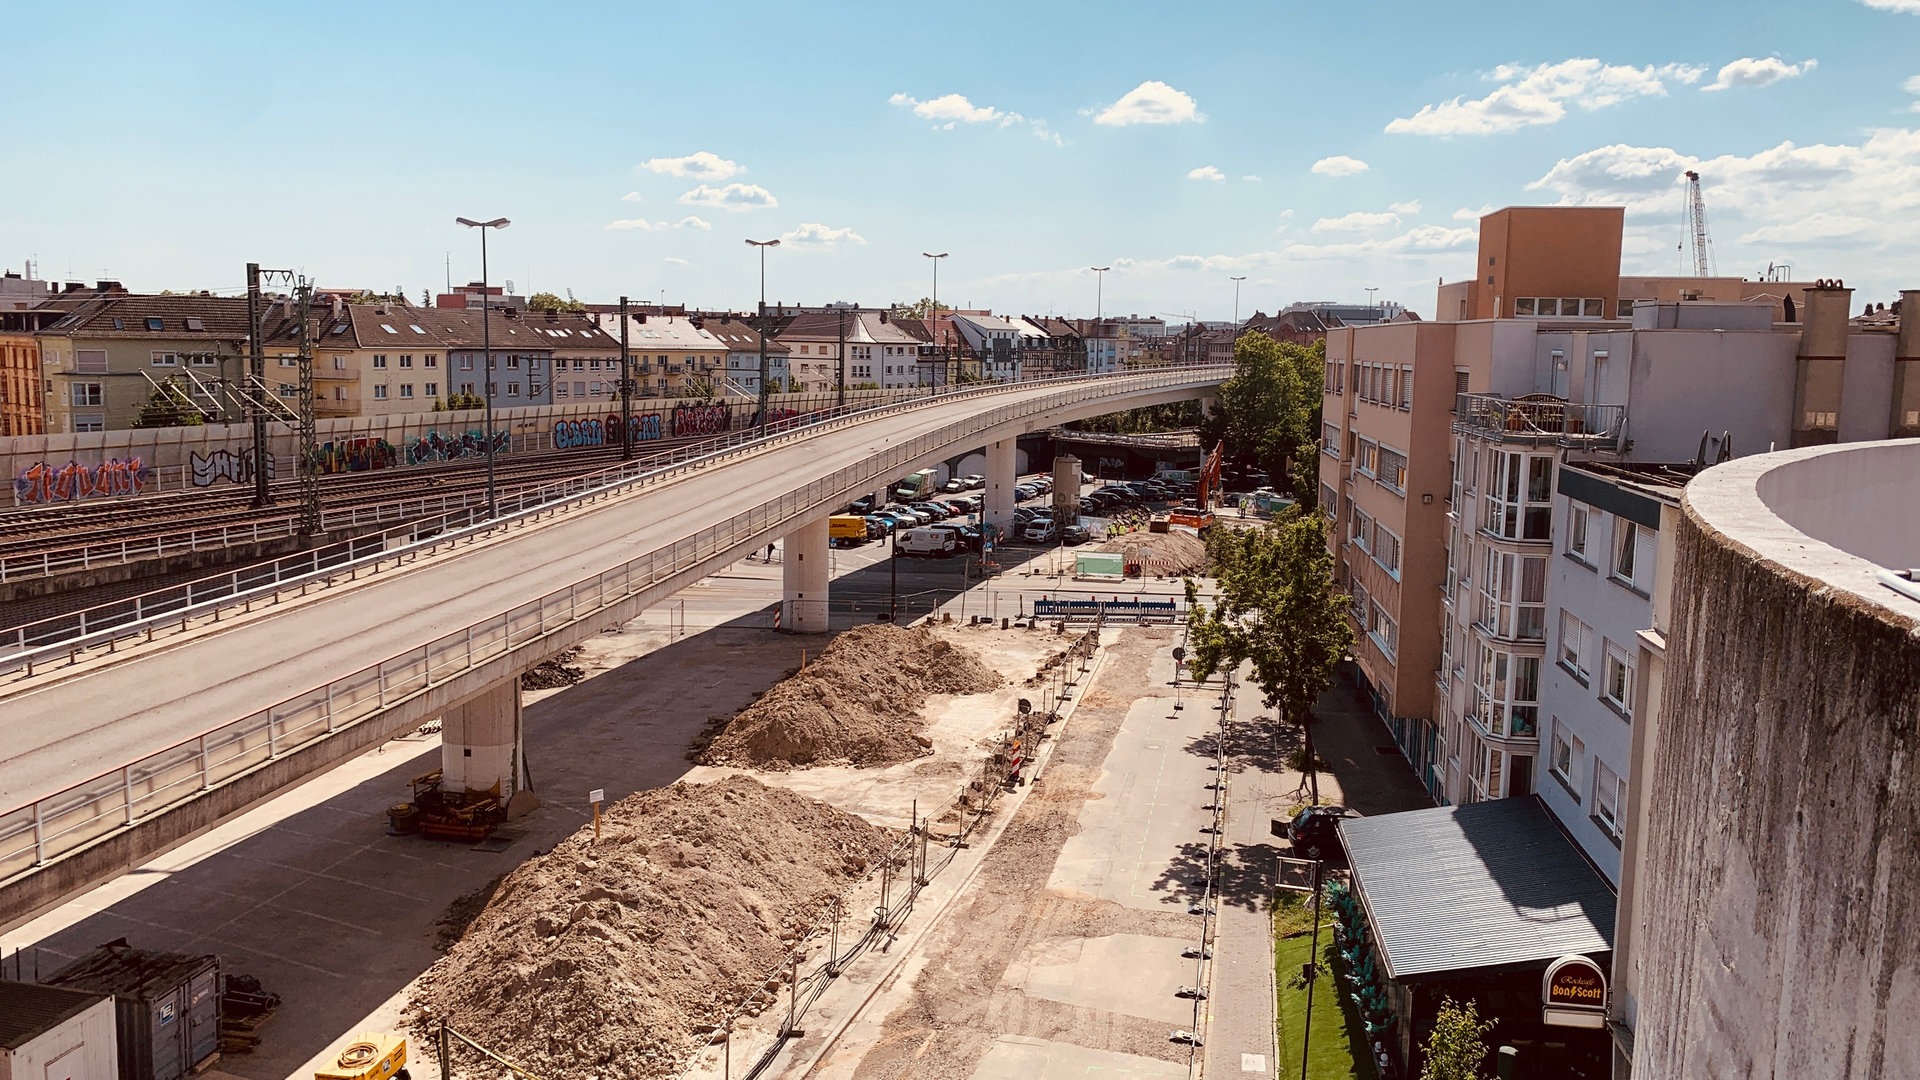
60,731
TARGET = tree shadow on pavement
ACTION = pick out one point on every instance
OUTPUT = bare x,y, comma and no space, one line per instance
1242,875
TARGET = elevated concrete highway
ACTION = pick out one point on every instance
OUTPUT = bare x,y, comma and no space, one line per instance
110,761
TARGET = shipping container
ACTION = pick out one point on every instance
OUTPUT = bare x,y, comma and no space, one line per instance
167,1005
52,1033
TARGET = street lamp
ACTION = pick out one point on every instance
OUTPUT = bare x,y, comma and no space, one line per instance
486,349
1099,299
765,375
1234,334
933,302
1373,313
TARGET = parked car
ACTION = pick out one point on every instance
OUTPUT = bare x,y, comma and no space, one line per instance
1312,832
975,481
1023,492
1022,515
886,522
1041,530
955,484
967,536
932,543
861,505
933,510
1075,534
908,513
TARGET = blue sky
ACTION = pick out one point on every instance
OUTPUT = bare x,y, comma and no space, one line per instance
636,145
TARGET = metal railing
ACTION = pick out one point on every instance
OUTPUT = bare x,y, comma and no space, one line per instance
49,827
1539,418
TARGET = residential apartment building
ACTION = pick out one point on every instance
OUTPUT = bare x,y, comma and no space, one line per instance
742,342
585,358
396,358
882,354
672,355
22,401
1505,403
876,351
101,360
1001,343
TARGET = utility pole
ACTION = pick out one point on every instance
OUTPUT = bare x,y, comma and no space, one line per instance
257,371
933,308
309,451
841,398
763,245
1099,306
626,387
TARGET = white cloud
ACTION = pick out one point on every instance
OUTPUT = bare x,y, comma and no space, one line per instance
1206,172
1422,240
632,196
814,234
1465,214
1909,7
949,110
1759,71
692,222
700,165
1287,213
1863,198
1249,178
1540,95
676,260
643,225
1911,86
731,197
1152,102
1339,165
1358,221
1411,206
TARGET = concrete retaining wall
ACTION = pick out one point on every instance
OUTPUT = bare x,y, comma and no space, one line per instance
1780,908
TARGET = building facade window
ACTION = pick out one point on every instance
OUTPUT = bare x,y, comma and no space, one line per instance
1367,457
166,359
431,389
1330,440
1393,469
1560,761
379,360
1513,596
1609,798
1576,648
380,392
1383,630
1578,518
1616,684
406,389
406,359
1519,496
1386,550
1508,693
89,393
1632,555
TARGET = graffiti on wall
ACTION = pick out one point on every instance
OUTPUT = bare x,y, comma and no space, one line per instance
711,418
354,455
44,483
452,446
568,434
229,465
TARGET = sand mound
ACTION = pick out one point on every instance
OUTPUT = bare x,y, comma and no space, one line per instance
603,960
1170,554
858,704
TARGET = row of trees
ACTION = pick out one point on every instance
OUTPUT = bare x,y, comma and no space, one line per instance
1269,412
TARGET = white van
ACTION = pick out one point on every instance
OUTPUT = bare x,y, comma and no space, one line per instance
929,543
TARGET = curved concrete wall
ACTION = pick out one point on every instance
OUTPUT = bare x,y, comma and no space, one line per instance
1778,911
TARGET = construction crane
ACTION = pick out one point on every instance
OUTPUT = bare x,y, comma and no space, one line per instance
1697,227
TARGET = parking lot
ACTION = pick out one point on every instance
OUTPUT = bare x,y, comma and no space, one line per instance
905,525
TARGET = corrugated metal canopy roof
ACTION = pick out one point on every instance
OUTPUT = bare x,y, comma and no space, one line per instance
1491,884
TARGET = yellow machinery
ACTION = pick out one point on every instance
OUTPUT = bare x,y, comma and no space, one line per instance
368,1056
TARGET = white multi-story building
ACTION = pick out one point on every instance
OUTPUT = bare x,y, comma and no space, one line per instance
1000,343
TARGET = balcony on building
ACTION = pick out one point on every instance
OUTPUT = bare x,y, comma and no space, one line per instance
1541,420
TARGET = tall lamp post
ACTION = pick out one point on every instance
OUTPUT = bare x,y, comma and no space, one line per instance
763,245
1372,312
1234,335
933,302
486,349
1099,299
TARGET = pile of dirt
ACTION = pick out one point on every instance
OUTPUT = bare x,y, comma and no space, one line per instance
555,674
858,704
610,959
1168,554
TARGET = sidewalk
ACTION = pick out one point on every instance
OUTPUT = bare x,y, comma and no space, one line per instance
1241,1032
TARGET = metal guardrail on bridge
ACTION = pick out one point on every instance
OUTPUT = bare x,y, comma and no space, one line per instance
59,824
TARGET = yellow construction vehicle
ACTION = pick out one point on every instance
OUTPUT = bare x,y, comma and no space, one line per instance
369,1056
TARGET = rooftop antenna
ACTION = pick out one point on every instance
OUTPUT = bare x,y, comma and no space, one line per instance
1697,227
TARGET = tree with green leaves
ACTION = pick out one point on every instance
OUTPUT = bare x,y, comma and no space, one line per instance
546,301
170,405
1277,610
1457,1045
1269,412
921,308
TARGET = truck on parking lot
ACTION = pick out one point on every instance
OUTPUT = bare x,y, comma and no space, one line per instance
915,487
847,530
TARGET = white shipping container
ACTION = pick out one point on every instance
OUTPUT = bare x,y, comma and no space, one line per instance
47,1033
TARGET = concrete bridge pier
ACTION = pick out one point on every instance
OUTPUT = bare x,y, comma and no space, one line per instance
803,575
481,742
1002,475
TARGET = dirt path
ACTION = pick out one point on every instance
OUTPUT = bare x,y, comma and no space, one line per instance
959,1002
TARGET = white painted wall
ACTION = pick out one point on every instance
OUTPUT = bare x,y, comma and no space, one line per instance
81,1048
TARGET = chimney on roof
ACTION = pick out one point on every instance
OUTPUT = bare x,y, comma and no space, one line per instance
1908,307
73,286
